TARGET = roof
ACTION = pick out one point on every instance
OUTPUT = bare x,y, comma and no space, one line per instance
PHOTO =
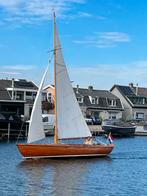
102,95
4,95
142,91
131,92
125,90
20,84
95,93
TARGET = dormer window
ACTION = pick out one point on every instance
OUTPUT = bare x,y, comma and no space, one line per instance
94,100
143,101
111,102
80,99
138,100
97,100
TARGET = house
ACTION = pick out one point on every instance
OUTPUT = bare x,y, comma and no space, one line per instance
16,98
134,100
49,94
98,103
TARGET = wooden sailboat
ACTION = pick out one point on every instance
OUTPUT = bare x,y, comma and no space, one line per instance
70,123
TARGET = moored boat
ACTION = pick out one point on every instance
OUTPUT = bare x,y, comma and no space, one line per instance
118,128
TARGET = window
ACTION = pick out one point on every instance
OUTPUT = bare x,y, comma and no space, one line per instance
112,117
34,96
138,100
93,100
97,100
44,96
80,99
139,115
30,96
49,97
143,101
45,119
19,95
111,102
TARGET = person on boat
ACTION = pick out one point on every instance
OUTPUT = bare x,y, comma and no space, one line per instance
110,139
88,141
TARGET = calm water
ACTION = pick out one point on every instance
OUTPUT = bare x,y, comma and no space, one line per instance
124,172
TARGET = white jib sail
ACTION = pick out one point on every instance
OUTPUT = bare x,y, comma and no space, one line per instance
70,121
36,130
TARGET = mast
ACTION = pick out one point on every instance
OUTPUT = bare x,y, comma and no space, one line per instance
56,128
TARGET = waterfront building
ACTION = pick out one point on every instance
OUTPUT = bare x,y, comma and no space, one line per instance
16,98
94,103
134,100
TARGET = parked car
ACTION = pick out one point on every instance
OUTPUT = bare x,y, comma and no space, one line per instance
48,121
96,121
93,121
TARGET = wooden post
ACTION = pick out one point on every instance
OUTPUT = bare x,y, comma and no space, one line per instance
8,131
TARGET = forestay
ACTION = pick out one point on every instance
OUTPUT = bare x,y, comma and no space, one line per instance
36,130
70,121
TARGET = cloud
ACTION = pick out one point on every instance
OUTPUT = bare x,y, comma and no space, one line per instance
84,14
30,72
18,67
104,76
79,15
35,10
104,39
9,73
100,17
114,36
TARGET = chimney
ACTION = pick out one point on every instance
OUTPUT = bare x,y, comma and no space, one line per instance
12,89
90,88
136,89
77,91
12,82
131,85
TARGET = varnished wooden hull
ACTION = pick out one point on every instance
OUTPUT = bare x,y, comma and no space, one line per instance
63,150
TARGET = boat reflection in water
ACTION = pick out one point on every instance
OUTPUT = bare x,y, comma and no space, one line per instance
60,176
118,128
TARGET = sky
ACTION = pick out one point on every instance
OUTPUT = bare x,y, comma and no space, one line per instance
104,42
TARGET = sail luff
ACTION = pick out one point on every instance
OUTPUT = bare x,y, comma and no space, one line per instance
56,128
36,130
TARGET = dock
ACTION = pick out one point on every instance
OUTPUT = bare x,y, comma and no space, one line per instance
12,134
9,132
96,130
140,133
141,130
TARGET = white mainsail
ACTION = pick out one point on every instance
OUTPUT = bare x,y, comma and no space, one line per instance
36,130
70,121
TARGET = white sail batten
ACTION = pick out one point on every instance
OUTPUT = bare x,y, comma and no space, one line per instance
70,121
36,130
